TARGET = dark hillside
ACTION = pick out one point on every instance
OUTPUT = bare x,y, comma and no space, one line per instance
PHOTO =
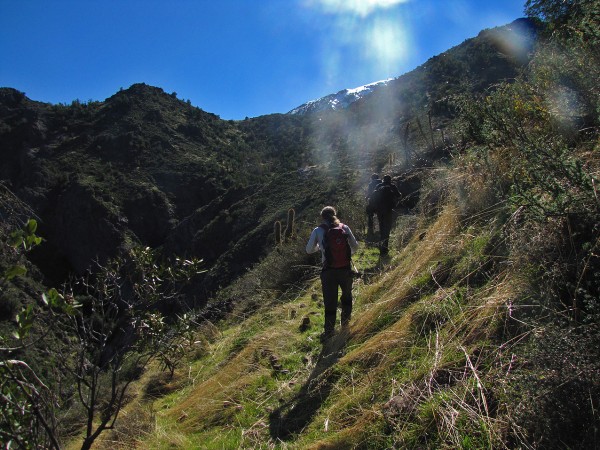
127,169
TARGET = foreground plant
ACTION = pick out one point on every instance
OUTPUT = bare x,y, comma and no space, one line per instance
104,328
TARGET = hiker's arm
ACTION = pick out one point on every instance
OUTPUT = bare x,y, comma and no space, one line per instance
313,243
397,196
352,241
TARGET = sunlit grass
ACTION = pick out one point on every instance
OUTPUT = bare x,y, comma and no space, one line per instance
417,322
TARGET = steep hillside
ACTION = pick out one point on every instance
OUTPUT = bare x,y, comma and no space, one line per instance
427,329
449,346
480,330
102,176
494,55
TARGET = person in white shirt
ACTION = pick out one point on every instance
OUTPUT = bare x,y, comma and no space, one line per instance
337,244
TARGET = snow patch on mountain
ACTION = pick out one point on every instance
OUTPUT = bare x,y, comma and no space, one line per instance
340,100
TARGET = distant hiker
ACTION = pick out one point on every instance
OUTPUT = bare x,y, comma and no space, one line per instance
375,180
337,244
383,201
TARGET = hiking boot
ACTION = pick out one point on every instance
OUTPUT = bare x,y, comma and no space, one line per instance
325,336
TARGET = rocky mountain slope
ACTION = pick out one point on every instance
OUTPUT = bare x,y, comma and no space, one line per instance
493,54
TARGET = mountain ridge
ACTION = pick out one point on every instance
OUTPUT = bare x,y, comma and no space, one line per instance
147,160
339,100
515,39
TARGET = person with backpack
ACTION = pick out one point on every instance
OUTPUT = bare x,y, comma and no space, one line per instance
383,201
337,244
375,181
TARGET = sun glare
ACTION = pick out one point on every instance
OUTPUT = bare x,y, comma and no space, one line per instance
359,7
386,44
369,37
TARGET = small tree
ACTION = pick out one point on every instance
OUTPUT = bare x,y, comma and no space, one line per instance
26,418
107,326
118,330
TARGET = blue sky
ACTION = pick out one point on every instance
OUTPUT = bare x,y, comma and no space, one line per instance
234,58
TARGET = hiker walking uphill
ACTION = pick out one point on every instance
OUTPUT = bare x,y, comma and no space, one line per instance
375,181
383,201
337,244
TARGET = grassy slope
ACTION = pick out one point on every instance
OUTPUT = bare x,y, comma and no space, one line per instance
479,332
408,371
463,339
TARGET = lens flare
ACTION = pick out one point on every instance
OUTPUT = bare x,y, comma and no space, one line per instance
367,37
386,45
517,45
361,8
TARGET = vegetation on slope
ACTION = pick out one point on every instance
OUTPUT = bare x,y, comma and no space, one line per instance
482,329
130,169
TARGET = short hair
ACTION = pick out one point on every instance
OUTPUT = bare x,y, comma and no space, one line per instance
374,176
387,179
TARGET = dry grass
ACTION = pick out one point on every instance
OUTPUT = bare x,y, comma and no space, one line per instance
414,340
215,400
359,435
396,289
462,412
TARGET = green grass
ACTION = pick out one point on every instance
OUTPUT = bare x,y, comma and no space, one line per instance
421,334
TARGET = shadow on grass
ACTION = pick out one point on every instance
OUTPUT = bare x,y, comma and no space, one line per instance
291,418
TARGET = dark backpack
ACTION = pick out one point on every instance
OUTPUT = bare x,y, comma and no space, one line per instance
336,247
383,198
